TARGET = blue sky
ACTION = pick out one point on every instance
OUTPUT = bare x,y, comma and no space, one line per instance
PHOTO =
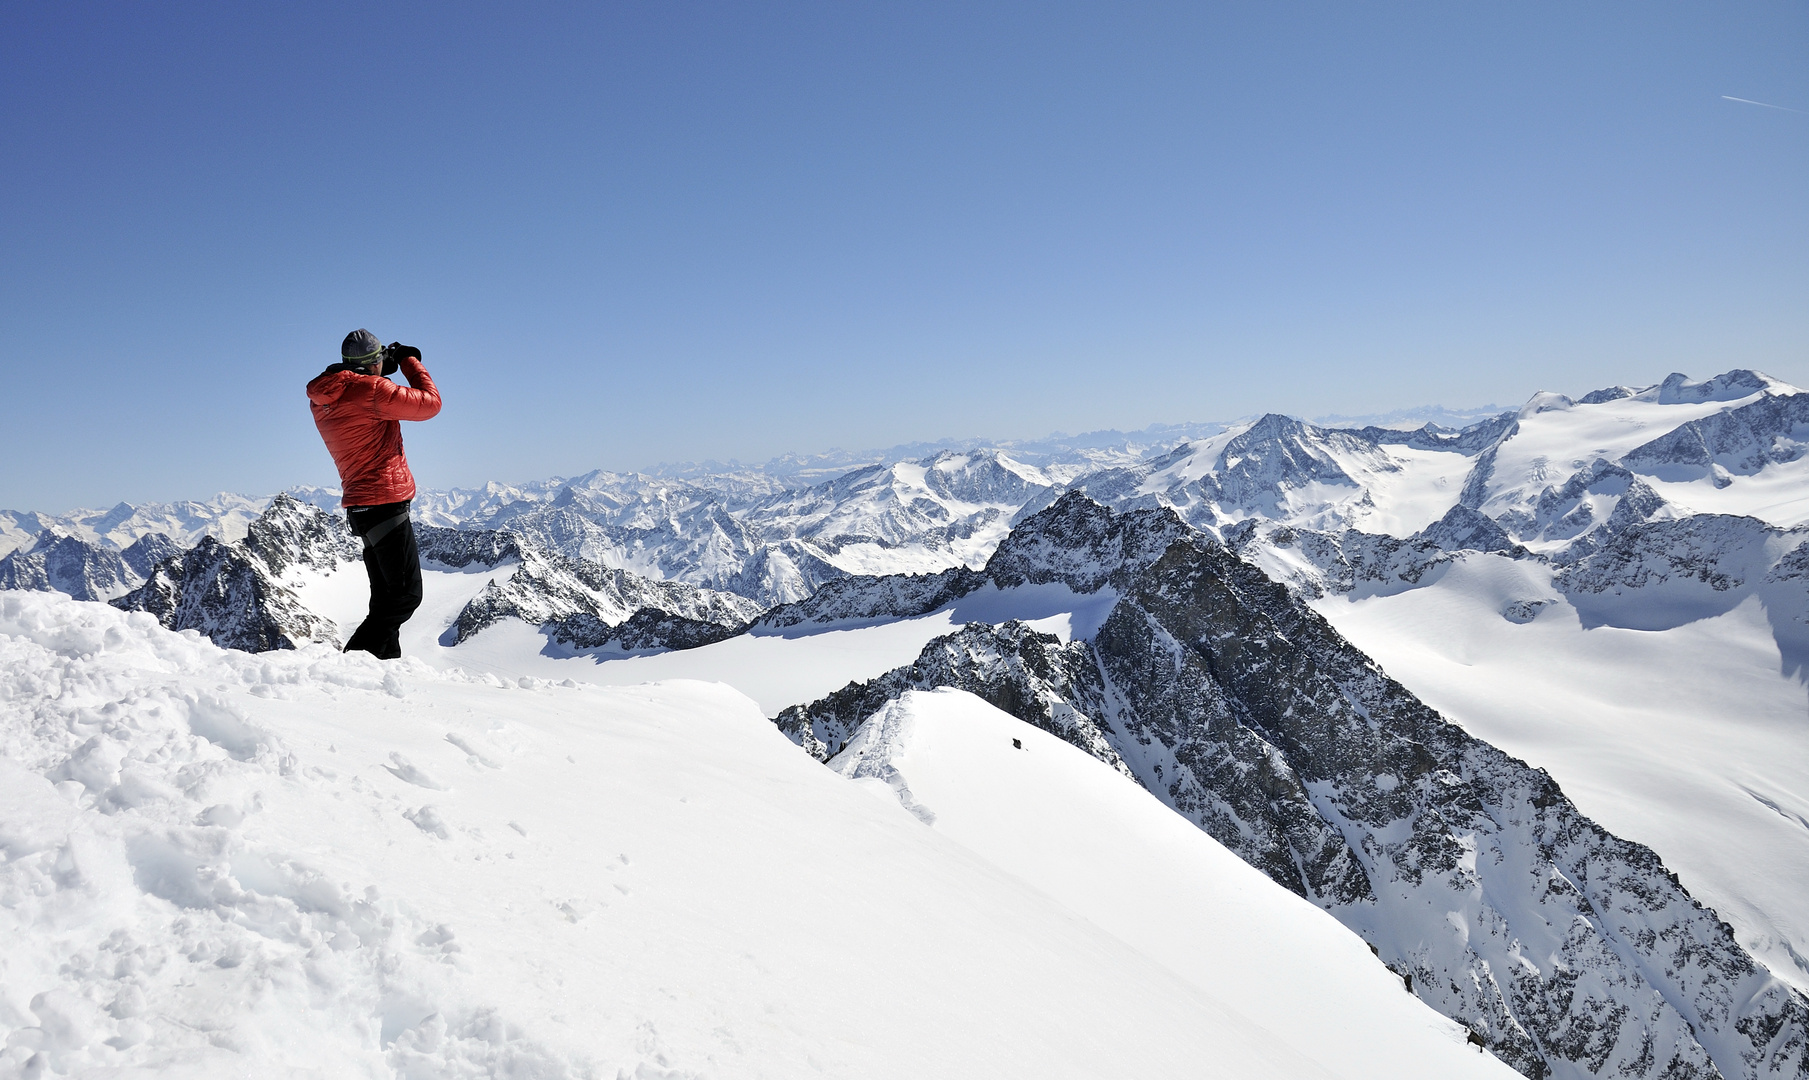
631,233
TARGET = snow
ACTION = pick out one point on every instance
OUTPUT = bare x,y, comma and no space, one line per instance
798,665
1423,485
1778,493
1690,740
778,669
316,864
1080,832
1555,443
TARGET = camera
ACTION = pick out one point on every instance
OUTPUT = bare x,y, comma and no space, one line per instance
392,358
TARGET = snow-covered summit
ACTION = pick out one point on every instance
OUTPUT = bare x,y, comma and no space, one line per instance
220,865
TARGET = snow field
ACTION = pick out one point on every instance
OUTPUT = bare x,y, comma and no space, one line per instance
313,864
1690,740
1080,832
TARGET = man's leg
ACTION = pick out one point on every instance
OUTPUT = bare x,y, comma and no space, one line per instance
367,638
393,565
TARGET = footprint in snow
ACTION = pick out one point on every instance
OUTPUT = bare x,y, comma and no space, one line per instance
407,771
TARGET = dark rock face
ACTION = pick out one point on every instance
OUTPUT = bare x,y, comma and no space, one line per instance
58,562
551,589
578,603
1464,529
1476,484
1607,394
233,593
1030,675
1470,440
290,533
1662,574
225,592
144,553
457,549
898,596
647,629
1338,563
1569,951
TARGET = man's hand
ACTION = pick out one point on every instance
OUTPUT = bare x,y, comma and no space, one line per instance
399,350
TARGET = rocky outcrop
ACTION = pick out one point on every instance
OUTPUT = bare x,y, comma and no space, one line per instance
1662,574
550,590
144,553
59,562
1316,564
225,593
1593,505
1773,430
647,630
857,599
1569,951
232,593
290,534
1464,529
460,549
1032,676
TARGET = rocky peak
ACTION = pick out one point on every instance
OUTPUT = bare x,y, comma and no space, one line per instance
144,553
60,562
226,593
291,533
1677,389
1083,544
1464,529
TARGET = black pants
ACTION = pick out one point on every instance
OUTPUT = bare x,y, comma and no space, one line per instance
394,565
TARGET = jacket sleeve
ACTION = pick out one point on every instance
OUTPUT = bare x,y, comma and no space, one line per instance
419,400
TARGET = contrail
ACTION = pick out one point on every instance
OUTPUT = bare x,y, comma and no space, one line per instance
1761,104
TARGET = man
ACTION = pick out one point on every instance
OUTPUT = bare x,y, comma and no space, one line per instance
357,409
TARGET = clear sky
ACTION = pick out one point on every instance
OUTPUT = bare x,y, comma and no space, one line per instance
631,233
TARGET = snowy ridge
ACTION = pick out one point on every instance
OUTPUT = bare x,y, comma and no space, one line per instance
219,865
1569,951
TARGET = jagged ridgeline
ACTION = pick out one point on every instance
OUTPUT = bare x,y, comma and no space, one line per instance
1568,951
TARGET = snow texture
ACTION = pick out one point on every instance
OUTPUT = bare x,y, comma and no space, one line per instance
303,863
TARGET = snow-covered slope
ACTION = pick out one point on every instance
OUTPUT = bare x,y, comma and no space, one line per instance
306,863
1693,739
1078,831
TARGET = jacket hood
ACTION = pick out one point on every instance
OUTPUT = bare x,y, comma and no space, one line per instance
330,385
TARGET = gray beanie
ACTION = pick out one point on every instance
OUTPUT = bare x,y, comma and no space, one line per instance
361,347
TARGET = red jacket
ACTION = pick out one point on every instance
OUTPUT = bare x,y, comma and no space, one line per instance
357,415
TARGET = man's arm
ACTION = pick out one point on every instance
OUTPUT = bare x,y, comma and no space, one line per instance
419,400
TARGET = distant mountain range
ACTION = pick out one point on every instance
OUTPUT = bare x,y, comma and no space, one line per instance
1182,605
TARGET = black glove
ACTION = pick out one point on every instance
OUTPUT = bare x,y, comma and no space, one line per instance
393,354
